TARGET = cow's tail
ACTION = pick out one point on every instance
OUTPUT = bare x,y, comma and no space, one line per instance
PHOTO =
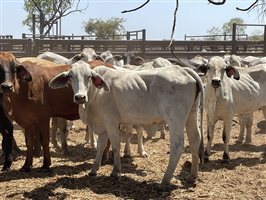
202,97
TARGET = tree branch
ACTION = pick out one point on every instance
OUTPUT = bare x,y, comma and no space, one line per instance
173,27
217,3
250,7
136,8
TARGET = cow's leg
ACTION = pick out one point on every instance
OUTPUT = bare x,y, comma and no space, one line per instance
7,140
16,149
37,144
249,124
63,132
53,132
44,138
141,149
105,157
264,112
129,129
196,148
30,137
226,138
242,124
71,125
176,134
90,137
162,131
6,128
101,144
210,131
114,137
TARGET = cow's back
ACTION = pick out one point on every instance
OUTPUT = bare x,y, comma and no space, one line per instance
139,95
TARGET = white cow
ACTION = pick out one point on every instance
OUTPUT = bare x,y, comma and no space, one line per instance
87,54
61,125
113,97
231,91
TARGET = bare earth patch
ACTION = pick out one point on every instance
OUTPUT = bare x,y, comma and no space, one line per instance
243,178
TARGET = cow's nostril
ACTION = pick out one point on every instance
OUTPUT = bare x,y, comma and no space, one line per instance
7,87
216,83
80,97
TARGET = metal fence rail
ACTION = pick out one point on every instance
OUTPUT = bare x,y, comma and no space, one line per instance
148,49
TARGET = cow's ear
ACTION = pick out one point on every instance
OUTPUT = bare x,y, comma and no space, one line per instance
202,69
232,71
23,73
60,80
98,82
76,58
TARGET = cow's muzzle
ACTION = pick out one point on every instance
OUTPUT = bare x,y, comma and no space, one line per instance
7,87
80,98
216,83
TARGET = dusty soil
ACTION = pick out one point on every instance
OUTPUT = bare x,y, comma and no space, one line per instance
243,178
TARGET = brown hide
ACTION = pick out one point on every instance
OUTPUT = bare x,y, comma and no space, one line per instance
34,102
96,63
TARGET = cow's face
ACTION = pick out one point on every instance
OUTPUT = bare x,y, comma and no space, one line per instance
10,71
7,71
82,79
218,69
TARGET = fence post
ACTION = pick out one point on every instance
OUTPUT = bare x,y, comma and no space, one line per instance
128,35
234,39
143,48
264,42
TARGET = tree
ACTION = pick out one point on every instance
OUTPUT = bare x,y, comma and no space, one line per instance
256,35
105,29
228,26
213,32
48,12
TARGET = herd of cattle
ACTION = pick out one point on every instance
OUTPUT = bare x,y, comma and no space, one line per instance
110,92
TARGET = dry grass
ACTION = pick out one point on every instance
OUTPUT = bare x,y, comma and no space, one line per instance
243,178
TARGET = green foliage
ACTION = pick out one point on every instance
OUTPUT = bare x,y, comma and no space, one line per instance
105,29
228,26
256,35
47,12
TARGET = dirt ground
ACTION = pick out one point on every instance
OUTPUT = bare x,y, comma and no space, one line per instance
243,178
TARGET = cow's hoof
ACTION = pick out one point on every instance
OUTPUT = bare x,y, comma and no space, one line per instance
45,170
5,168
115,174
191,179
239,141
127,156
226,158
25,169
206,159
225,161
92,174
144,155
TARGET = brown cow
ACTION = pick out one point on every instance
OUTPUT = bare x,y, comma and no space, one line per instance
33,102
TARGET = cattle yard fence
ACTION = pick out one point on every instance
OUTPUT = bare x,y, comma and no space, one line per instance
148,49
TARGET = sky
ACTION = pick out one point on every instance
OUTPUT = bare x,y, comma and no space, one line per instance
194,17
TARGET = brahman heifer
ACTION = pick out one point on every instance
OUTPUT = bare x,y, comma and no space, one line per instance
231,91
33,102
109,97
60,124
